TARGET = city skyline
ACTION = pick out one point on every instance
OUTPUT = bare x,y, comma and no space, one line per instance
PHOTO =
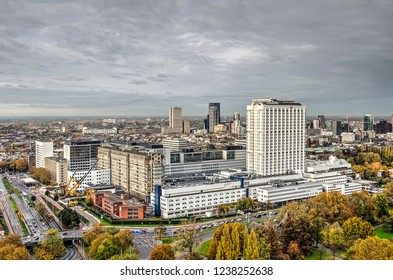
138,58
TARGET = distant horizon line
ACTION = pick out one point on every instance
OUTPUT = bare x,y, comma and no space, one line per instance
165,116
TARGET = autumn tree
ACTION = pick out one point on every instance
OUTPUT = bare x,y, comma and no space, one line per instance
21,164
270,233
371,248
40,174
163,252
251,247
89,236
189,237
12,248
52,246
333,238
355,228
331,207
160,230
228,242
299,229
363,206
124,239
294,251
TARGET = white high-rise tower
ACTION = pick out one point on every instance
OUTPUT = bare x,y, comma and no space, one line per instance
275,137
42,150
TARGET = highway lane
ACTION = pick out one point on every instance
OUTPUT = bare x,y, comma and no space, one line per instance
145,243
72,253
9,211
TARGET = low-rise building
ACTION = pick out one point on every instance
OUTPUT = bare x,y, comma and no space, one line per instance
119,206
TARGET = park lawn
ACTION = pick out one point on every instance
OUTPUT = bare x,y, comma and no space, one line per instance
204,248
316,255
8,186
384,232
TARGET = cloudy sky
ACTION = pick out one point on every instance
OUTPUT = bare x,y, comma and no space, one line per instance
139,57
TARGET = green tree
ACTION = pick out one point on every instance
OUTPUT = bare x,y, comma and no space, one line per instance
163,252
106,250
69,218
333,237
52,243
127,256
245,203
371,248
112,230
381,202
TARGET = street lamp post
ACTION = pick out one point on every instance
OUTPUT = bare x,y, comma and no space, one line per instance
74,235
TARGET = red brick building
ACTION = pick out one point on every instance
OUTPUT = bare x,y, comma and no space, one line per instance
119,207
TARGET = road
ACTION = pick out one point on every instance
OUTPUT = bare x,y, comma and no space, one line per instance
9,211
72,253
145,243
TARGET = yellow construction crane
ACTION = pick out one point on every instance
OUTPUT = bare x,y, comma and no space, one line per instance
73,184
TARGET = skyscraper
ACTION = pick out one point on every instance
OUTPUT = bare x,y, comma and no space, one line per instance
235,127
275,137
42,150
322,121
213,116
368,122
186,127
175,119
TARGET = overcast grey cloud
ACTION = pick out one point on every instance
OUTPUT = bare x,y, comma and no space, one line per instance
133,58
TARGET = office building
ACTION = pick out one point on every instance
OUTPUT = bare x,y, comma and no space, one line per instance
81,155
347,137
182,199
213,116
368,122
275,137
336,128
94,177
134,168
87,130
57,168
382,127
322,121
175,119
174,144
42,150
186,127
190,161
